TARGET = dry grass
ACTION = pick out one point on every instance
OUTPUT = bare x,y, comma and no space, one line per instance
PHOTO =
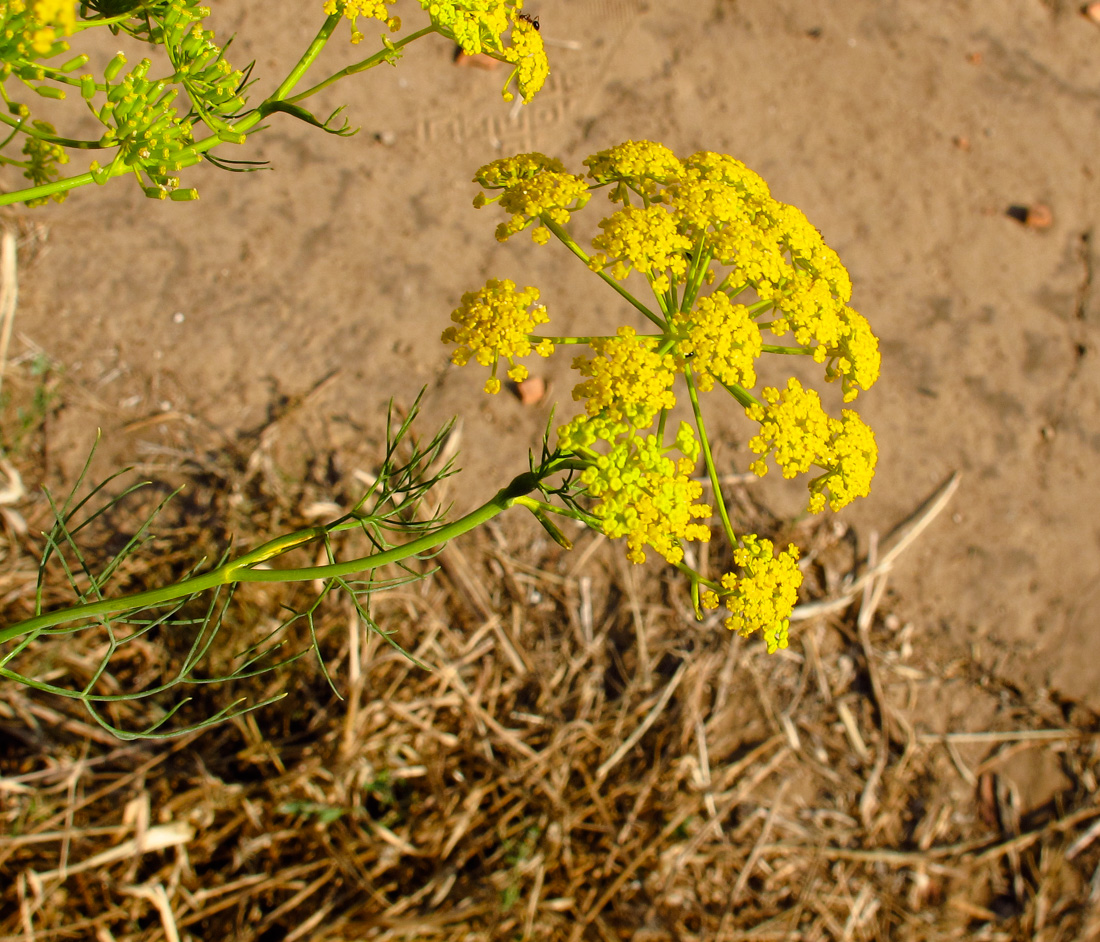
582,762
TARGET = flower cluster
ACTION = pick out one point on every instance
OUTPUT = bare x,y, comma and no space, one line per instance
29,30
533,188
646,239
646,496
725,262
476,26
798,433
642,494
528,57
43,159
628,382
720,340
763,595
495,322
369,9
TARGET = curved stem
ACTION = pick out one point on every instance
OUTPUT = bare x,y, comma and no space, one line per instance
195,151
242,568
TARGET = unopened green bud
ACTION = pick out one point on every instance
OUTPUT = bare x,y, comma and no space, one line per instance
550,527
50,91
73,64
114,67
87,87
184,196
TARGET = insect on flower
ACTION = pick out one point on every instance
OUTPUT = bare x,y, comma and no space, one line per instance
533,20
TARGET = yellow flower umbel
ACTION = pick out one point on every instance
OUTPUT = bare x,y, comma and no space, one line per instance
628,382
797,431
641,166
793,427
647,240
496,322
853,456
528,56
533,187
722,341
763,596
725,264
490,27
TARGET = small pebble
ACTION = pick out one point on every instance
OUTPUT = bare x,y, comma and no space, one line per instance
531,391
478,61
1039,216
1092,11
1035,216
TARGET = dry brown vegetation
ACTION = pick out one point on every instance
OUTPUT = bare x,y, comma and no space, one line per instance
583,761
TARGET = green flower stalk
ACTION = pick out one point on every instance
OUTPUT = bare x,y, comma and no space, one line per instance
725,264
172,109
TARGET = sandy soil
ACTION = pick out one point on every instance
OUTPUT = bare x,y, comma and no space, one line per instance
284,308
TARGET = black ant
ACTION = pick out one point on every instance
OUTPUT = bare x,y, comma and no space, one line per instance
533,20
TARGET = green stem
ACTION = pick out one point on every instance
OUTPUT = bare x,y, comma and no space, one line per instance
742,395
547,508
696,272
241,569
307,59
242,126
376,59
708,458
570,244
588,341
773,348
21,124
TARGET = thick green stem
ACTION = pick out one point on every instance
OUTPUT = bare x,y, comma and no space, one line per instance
242,568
